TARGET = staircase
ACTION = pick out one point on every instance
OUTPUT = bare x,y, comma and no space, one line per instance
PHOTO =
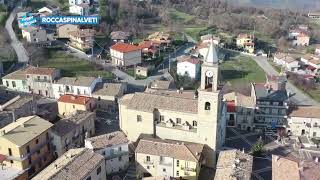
131,172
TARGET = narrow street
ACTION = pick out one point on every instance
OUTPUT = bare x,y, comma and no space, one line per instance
299,97
15,43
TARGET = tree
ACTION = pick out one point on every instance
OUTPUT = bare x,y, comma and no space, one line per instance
283,44
258,148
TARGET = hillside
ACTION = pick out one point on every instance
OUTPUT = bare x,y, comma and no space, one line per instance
291,4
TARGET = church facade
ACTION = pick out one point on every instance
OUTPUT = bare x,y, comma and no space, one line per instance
192,116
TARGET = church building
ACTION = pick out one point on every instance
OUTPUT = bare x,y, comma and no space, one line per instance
192,116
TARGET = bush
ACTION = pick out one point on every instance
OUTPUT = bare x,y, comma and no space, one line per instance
258,148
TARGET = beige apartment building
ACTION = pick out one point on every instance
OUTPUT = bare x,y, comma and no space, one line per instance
167,158
180,115
25,147
75,164
70,132
40,79
82,38
69,104
304,121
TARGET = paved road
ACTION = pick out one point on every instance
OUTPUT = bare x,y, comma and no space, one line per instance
15,43
299,97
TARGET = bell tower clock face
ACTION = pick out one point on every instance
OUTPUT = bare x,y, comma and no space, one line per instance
209,74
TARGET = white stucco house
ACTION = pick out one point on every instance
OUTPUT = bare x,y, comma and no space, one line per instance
80,9
286,61
123,54
312,63
115,149
304,121
188,65
17,80
83,86
34,35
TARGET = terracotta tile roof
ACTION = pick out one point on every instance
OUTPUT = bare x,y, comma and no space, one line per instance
41,70
303,34
75,164
19,74
190,59
69,124
108,140
124,47
148,101
160,84
226,160
82,33
108,89
76,81
305,111
169,148
72,99
294,169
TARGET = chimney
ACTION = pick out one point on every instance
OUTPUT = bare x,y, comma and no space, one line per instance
3,132
277,158
56,166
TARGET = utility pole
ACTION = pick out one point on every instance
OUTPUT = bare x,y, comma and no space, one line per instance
169,63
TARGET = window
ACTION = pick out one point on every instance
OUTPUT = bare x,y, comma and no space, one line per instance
38,152
73,106
7,83
139,118
177,173
164,170
178,120
99,170
11,161
10,151
39,92
28,76
47,136
120,158
148,158
178,163
28,149
161,118
99,98
119,149
29,160
148,167
194,123
46,93
38,78
37,141
207,106
45,78
314,134
13,84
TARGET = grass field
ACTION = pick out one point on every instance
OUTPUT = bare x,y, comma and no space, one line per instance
179,16
71,66
240,70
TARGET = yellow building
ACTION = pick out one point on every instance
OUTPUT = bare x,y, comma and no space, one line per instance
198,117
246,41
157,157
25,147
69,104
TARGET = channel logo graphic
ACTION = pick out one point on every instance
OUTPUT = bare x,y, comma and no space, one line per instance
80,20
27,20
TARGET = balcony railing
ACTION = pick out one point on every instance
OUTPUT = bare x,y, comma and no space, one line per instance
188,169
178,127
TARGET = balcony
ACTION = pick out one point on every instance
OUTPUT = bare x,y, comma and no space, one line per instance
177,127
117,154
188,169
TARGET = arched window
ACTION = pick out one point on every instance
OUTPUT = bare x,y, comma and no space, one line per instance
207,106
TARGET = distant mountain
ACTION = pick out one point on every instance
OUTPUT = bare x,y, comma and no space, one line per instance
303,5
